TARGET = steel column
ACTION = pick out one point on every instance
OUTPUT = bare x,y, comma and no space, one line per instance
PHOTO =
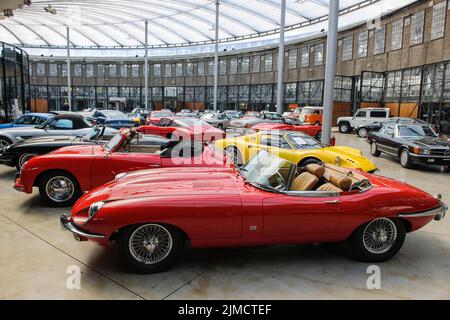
69,84
280,91
330,71
216,56
146,66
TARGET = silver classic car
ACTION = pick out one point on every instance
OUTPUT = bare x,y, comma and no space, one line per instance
216,119
60,125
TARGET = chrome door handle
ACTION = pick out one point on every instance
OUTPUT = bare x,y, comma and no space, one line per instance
154,165
332,201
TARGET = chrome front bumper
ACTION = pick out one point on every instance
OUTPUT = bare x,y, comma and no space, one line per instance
77,233
438,213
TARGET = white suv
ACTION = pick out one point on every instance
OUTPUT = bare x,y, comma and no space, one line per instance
362,117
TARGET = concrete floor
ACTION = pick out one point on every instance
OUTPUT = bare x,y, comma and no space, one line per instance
35,255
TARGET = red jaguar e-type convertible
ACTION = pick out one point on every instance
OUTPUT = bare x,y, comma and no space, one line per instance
313,131
65,174
183,128
268,201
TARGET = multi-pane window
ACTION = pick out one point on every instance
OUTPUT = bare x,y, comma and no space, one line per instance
135,70
379,40
189,69
397,34
243,94
245,64
40,69
363,38
223,67
112,70
157,70
372,86
53,70
290,92
292,59
167,70
438,20
393,86
124,70
233,66
304,57
432,77
347,48
318,54
179,69
342,89
89,70
211,67
417,22
411,84
256,64
201,68
64,69
77,70
100,70
268,62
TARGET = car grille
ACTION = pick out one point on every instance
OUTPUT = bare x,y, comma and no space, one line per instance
440,152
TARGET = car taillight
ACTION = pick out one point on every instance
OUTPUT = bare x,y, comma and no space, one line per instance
247,125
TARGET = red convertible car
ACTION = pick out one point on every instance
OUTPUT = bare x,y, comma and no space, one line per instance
65,174
151,214
313,131
183,128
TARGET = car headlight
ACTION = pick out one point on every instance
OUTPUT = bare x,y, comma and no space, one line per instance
120,175
94,209
418,150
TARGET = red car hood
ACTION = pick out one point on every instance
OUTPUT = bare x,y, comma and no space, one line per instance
78,150
162,182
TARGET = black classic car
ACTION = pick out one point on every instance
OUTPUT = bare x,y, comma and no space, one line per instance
364,129
19,153
411,143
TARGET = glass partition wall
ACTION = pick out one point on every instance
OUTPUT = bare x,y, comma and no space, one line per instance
14,82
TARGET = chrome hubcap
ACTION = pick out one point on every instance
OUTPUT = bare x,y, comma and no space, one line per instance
379,235
24,158
150,244
374,147
60,189
344,128
3,143
404,158
363,133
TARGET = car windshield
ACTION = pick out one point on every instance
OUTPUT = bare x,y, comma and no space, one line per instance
416,131
233,115
114,142
92,134
161,114
301,142
188,122
112,114
267,171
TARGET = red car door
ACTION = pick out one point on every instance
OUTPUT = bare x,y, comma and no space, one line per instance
106,167
300,217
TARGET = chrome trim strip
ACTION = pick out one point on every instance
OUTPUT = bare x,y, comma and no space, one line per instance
434,212
67,224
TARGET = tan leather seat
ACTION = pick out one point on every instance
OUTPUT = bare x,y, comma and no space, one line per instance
316,169
304,182
342,182
329,187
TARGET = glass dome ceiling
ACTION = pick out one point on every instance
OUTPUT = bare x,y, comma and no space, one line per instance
172,23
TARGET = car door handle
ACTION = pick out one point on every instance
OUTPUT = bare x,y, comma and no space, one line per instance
332,201
154,165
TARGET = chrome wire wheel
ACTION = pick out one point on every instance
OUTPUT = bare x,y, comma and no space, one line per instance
379,235
362,132
404,158
150,244
4,143
59,189
24,158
